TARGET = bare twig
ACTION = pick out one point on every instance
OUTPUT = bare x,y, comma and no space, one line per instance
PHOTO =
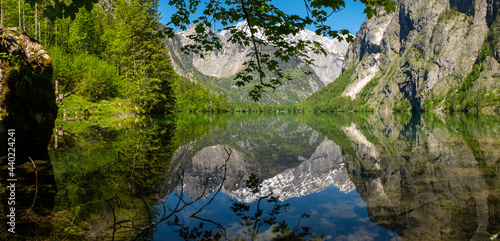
36,186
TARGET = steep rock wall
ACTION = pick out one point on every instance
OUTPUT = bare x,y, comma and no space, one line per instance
422,50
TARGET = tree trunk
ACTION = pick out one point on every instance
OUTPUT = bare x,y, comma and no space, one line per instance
36,17
24,18
47,30
1,18
67,38
19,8
39,30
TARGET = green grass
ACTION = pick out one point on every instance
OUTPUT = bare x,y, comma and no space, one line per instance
79,104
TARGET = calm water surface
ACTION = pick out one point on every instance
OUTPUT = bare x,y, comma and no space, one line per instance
274,177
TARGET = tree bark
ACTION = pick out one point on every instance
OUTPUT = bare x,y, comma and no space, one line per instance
36,18
1,18
24,18
19,8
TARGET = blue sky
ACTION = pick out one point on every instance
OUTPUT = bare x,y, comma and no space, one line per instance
350,18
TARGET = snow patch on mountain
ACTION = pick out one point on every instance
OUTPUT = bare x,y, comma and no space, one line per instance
229,60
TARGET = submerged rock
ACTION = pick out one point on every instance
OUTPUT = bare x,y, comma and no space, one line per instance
27,103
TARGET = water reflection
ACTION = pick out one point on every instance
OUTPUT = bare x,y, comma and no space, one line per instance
429,178
299,164
32,195
424,177
326,176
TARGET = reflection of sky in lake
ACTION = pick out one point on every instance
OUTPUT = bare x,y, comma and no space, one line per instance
336,215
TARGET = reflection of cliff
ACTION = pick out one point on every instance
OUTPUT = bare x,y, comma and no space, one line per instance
325,167
427,180
290,158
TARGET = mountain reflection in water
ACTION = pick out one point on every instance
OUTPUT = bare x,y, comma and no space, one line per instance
321,176
421,178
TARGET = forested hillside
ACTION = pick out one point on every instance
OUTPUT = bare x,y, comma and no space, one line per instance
112,53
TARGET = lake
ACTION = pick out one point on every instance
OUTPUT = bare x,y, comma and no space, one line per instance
270,176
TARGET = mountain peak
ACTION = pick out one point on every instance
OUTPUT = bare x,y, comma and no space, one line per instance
229,60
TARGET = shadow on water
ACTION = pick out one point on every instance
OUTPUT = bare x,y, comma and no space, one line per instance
31,194
28,186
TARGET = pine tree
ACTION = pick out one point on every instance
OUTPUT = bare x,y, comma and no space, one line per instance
142,58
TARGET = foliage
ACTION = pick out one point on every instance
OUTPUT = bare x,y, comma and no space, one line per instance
431,102
448,14
265,25
110,170
142,59
466,98
85,74
364,94
332,90
84,33
97,109
193,97
403,106
492,42
64,9
329,98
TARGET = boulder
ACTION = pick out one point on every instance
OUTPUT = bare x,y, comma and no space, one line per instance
27,103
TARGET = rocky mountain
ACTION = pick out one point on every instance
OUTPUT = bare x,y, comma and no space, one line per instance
217,69
430,54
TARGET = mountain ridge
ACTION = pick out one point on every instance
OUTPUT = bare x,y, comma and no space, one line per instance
218,67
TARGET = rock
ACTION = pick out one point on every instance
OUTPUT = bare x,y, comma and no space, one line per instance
421,51
228,61
27,92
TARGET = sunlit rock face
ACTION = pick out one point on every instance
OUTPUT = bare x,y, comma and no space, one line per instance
27,102
428,180
229,60
421,50
217,69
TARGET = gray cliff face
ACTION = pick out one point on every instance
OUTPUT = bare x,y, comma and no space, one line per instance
228,61
422,50
218,63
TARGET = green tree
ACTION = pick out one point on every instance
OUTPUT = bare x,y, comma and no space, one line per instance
83,35
132,42
142,58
